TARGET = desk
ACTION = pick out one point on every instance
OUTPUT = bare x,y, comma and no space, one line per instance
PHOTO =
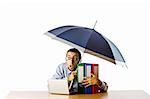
122,94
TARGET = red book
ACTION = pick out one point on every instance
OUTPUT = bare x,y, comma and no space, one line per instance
95,72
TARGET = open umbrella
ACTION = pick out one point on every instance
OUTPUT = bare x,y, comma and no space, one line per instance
89,41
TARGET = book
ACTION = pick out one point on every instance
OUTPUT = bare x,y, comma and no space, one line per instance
80,78
85,70
87,73
95,72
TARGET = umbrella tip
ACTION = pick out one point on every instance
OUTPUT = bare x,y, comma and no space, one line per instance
94,24
123,64
126,66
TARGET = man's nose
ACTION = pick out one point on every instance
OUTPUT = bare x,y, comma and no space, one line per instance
71,62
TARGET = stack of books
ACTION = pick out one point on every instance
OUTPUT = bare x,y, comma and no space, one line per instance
85,70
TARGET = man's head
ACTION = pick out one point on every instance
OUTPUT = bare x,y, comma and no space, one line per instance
73,57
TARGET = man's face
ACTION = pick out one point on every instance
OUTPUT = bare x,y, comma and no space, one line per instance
72,60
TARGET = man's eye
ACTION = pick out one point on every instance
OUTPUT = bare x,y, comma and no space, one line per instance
75,58
68,58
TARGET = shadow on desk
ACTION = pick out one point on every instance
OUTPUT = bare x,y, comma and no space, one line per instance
122,94
79,96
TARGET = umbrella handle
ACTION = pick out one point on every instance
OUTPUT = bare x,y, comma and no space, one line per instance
72,81
94,24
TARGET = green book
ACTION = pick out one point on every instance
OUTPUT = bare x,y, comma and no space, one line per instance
80,76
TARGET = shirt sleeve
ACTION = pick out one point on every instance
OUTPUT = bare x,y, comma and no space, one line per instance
59,74
103,87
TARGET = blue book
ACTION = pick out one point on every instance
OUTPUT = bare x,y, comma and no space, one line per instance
87,73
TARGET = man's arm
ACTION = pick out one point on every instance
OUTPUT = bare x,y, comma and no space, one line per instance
103,87
59,73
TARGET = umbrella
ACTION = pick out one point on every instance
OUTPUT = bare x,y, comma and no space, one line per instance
89,41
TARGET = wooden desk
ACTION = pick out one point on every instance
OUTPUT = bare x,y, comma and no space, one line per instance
128,94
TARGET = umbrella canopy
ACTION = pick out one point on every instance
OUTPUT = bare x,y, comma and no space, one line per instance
89,41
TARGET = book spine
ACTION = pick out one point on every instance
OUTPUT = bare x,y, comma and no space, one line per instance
80,76
95,72
87,73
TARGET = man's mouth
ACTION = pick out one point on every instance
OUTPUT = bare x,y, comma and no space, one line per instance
71,67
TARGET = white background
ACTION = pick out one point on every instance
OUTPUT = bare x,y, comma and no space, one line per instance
28,57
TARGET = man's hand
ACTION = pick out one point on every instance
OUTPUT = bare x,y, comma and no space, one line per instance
72,75
93,80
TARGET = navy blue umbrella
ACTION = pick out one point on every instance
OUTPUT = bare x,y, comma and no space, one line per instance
89,41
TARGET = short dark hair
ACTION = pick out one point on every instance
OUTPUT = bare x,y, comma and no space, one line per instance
76,51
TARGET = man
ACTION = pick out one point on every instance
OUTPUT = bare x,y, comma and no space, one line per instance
68,71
